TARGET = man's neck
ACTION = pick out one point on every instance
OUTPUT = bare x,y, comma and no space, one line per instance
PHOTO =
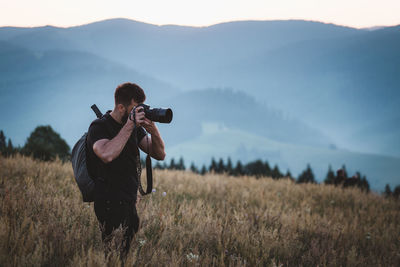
116,116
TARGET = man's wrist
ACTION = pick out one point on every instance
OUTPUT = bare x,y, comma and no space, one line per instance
129,127
154,131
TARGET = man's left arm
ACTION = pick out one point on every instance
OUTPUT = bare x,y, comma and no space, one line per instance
155,142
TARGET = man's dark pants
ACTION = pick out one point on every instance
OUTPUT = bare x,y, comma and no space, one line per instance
113,214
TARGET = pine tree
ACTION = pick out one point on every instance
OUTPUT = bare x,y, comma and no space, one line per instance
364,185
221,166
2,142
396,192
172,165
213,166
345,171
238,169
358,182
288,174
181,164
10,148
276,173
193,168
267,169
388,191
203,170
330,176
306,176
229,169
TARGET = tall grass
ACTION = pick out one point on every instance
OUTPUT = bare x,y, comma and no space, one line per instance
201,220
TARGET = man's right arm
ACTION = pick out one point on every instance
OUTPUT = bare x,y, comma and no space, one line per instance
107,150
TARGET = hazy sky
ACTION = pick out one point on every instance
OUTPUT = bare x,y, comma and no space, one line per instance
64,13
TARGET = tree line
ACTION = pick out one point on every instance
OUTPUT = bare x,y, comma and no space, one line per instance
46,144
259,168
256,168
388,193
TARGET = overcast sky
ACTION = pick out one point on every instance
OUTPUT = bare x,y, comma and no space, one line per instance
64,13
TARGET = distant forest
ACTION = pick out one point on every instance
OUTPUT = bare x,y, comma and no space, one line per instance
260,169
45,144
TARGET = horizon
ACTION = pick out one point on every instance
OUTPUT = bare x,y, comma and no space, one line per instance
200,26
357,14
197,26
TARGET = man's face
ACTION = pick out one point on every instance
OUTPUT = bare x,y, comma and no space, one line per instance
128,110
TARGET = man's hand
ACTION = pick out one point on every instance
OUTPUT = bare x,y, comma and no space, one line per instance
153,145
139,116
149,125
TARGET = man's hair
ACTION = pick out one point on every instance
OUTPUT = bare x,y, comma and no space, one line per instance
126,92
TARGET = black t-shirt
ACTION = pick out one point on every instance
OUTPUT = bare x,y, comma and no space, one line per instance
116,180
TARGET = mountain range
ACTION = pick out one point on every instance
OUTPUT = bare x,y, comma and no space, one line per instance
295,86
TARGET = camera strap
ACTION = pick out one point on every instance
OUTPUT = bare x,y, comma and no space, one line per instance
149,171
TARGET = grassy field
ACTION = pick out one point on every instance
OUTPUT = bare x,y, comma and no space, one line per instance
201,221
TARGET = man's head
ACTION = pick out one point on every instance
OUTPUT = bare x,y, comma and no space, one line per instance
127,96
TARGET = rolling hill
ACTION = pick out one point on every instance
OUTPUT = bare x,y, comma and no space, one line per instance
58,88
330,76
298,87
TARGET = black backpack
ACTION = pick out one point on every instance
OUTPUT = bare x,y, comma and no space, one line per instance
78,160
82,178
85,182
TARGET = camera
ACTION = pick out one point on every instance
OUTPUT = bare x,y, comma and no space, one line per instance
157,114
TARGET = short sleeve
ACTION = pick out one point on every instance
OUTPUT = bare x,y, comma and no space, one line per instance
97,131
141,132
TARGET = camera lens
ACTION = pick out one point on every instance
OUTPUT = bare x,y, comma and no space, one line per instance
163,115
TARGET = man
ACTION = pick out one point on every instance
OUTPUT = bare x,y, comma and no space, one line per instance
113,158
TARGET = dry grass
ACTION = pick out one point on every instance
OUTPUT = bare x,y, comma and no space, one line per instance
210,220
